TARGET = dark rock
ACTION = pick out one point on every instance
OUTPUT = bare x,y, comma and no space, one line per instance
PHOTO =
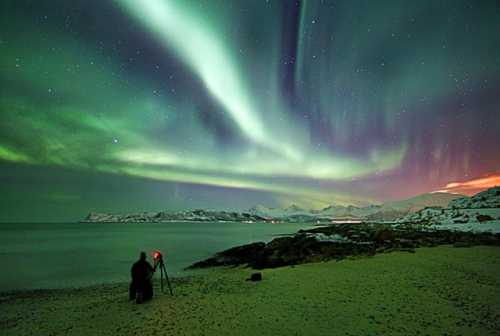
407,243
361,239
484,218
383,235
234,256
255,277
462,244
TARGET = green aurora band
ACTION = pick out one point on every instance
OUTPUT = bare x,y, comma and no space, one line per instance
82,105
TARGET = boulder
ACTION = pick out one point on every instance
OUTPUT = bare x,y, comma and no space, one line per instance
383,235
483,218
255,277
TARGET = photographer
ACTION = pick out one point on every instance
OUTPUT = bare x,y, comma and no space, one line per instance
141,287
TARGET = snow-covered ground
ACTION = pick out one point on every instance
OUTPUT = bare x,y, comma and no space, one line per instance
489,198
477,220
490,226
436,216
479,213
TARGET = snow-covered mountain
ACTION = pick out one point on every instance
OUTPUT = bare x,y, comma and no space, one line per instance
418,209
386,211
479,212
349,211
486,199
292,210
199,215
396,209
441,199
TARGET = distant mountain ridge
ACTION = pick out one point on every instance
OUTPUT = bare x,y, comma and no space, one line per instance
386,211
292,213
198,215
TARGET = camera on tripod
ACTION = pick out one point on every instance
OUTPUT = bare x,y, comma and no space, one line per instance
158,261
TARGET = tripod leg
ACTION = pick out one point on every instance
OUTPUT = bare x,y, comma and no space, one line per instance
161,278
168,280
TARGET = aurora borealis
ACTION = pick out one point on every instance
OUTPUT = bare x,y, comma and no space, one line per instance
156,104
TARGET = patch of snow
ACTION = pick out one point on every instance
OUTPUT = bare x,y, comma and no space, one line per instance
336,238
490,226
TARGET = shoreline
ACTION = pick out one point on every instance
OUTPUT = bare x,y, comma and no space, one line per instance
26,291
435,290
104,285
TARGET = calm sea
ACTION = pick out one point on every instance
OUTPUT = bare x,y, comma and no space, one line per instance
57,255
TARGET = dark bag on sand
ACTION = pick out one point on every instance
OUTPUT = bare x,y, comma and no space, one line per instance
255,277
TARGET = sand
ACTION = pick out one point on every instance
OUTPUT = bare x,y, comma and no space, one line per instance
435,291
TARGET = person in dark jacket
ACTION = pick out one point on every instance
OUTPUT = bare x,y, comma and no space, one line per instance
141,287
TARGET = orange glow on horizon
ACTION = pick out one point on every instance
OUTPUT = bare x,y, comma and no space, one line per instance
473,186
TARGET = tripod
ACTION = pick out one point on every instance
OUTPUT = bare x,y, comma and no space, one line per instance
163,269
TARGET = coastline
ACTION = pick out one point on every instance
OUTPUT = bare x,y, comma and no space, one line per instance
438,290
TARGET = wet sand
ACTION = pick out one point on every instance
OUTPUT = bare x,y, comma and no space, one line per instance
434,291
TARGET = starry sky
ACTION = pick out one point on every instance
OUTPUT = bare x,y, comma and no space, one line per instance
132,105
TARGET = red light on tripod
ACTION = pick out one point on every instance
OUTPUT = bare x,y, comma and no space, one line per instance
156,255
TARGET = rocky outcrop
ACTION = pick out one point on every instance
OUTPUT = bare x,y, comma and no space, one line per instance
340,241
234,256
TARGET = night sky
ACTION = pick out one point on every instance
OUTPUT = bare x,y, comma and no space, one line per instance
134,105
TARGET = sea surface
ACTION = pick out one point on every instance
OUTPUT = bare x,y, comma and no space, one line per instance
60,255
